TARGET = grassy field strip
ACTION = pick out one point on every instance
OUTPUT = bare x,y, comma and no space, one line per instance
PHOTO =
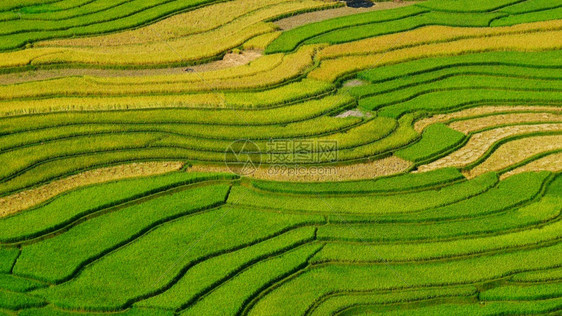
57,213
289,40
49,13
429,35
538,276
332,69
174,249
437,140
549,163
479,124
186,292
530,187
375,137
14,283
288,94
356,33
96,144
347,134
554,13
511,63
25,199
480,144
459,98
8,257
454,99
526,293
465,82
316,127
484,111
399,183
393,233
372,24
68,11
244,287
294,113
200,148
308,287
69,252
412,22
16,4
442,250
392,204
16,301
53,310
449,77
50,310
61,167
477,6
448,308
531,6
333,303
516,151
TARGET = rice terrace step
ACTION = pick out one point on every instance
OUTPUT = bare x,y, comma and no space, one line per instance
280,157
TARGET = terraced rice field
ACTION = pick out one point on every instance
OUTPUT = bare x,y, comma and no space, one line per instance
166,157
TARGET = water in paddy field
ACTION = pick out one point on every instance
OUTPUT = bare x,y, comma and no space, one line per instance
359,3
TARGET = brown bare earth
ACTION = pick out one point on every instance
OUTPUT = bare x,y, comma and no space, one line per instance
481,110
354,83
517,151
316,16
25,199
354,113
551,163
479,143
378,168
229,60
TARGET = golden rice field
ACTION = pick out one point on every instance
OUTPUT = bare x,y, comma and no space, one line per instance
280,157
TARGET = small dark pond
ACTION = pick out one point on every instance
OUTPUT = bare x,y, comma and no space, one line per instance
359,3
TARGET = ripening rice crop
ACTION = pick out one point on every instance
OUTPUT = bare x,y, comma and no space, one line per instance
549,162
185,24
517,152
331,69
479,144
25,199
118,184
484,112
181,49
